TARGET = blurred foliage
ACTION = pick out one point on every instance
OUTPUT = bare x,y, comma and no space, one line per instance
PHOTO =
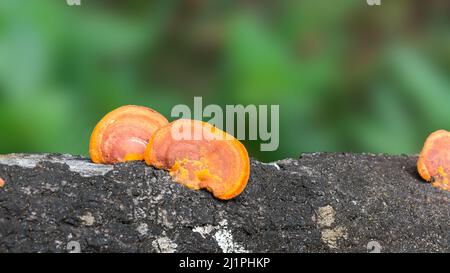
347,76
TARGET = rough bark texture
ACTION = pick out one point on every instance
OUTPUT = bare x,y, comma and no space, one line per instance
318,203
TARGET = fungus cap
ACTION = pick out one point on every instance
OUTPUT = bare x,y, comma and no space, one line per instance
123,134
434,160
198,155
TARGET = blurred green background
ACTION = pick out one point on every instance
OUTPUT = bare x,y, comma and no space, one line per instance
347,76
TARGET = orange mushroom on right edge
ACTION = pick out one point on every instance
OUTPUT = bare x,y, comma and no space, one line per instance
200,156
434,160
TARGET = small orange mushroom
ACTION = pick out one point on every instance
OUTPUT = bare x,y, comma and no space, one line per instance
123,134
2,183
434,160
198,155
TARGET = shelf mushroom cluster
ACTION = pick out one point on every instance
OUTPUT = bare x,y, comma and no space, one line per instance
196,154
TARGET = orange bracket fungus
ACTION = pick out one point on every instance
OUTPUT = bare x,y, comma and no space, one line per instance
200,156
434,160
2,183
123,134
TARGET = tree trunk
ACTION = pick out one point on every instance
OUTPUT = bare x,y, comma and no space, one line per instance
318,203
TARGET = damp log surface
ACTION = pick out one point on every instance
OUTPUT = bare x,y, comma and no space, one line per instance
321,202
